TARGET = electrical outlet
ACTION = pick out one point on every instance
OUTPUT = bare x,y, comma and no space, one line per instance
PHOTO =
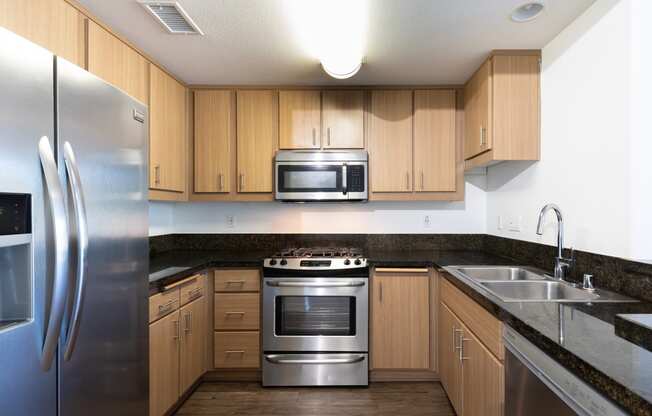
427,221
515,224
230,221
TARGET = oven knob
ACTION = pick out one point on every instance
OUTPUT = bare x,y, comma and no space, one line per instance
347,262
358,262
272,262
284,262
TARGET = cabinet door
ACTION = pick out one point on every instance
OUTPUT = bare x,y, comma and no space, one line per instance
390,141
300,119
343,114
477,112
450,369
168,138
214,130
434,141
483,379
53,24
117,63
164,338
400,322
257,138
193,344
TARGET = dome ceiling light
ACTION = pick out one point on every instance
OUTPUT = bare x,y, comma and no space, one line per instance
527,12
331,31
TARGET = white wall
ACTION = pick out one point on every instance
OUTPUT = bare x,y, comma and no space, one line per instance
372,217
592,164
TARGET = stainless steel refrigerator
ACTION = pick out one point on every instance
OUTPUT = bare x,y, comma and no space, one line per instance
73,240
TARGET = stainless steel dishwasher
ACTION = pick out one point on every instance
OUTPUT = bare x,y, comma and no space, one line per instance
536,385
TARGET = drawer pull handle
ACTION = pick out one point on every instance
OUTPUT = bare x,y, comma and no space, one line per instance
235,282
166,307
194,294
234,313
234,352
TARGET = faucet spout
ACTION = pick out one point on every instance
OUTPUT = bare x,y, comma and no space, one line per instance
561,263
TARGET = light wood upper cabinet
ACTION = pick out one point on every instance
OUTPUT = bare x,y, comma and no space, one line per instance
502,110
343,119
117,63
164,339
435,162
400,322
300,119
450,367
193,342
257,137
390,141
214,131
168,135
477,108
52,24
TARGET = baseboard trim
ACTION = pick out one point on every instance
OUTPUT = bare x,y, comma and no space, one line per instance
402,375
231,374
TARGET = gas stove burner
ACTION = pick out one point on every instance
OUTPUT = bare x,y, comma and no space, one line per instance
320,252
317,258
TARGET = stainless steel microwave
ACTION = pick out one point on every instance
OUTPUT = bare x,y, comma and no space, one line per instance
306,175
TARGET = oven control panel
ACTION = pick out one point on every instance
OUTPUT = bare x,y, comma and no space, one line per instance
315,263
293,263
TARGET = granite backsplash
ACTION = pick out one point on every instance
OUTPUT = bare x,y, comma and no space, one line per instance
619,275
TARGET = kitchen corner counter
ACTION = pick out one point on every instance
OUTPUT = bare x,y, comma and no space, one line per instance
432,258
189,262
583,338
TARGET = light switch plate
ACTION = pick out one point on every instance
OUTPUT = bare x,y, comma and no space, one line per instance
427,221
515,224
230,221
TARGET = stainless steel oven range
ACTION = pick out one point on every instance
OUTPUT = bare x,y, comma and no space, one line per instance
316,318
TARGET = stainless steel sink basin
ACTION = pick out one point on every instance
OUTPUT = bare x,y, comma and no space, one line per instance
539,291
526,284
501,273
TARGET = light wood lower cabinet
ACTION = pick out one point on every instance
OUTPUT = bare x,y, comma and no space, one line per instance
193,342
177,343
471,374
237,319
400,320
164,348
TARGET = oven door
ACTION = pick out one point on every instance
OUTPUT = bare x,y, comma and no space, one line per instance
315,314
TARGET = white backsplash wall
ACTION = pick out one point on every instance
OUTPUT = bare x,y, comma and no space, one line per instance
593,163
465,217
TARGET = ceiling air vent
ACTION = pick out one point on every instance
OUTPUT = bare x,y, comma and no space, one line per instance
172,17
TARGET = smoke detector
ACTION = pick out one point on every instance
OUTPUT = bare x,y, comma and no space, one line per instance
171,15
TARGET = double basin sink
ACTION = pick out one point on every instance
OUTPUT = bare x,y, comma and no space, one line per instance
525,284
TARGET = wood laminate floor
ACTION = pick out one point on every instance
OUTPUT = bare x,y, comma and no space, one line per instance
250,399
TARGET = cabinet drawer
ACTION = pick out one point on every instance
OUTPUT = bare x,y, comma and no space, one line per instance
162,304
193,289
483,324
237,349
237,311
245,280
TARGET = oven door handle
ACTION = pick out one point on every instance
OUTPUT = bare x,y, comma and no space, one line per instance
354,283
275,359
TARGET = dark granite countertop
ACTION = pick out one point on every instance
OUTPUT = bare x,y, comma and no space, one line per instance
636,328
590,347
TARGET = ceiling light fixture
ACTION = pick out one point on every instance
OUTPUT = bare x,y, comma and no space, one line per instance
527,12
339,47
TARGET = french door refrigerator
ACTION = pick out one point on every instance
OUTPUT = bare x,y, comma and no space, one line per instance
73,240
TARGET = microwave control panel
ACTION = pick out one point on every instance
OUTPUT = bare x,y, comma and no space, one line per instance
355,178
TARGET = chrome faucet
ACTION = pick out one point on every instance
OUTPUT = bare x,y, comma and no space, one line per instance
562,264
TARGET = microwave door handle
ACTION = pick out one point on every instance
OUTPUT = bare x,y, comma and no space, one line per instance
344,184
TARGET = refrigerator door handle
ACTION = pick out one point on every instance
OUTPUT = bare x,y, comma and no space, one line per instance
60,228
79,207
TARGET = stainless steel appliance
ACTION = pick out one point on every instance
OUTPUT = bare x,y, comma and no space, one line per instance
536,385
74,248
316,318
306,175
